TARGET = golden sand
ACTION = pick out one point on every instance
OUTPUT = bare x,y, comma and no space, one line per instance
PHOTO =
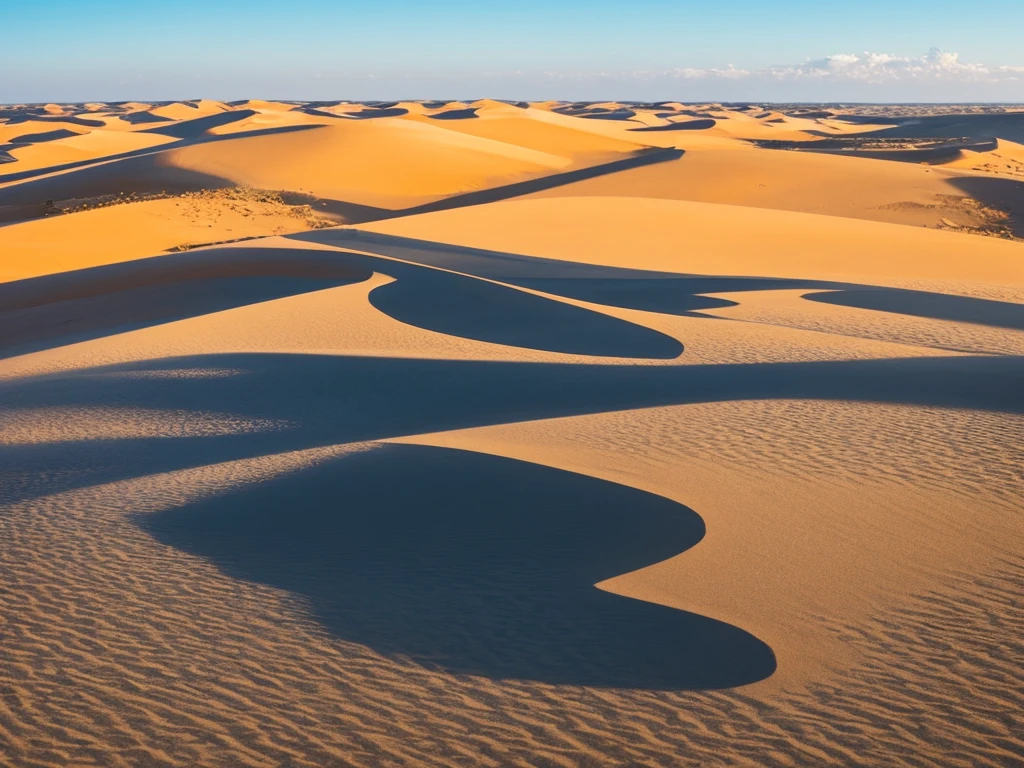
574,444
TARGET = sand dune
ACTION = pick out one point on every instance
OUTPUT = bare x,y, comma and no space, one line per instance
261,105
93,145
189,110
1005,125
264,119
386,160
898,193
11,132
393,164
702,454
707,238
145,228
536,130
1007,158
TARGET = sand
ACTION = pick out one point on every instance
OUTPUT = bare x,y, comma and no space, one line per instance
899,193
145,228
710,238
646,465
393,165
93,145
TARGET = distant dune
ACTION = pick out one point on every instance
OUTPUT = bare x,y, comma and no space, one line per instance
469,432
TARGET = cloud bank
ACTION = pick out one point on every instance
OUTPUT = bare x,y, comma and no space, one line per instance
938,76
937,66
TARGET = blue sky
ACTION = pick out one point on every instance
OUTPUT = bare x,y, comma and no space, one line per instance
799,50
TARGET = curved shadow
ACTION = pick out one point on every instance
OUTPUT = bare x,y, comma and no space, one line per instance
375,112
74,306
585,109
639,158
139,174
40,117
197,126
144,116
456,114
700,124
476,564
936,306
667,295
200,138
664,292
462,306
68,307
627,288
39,138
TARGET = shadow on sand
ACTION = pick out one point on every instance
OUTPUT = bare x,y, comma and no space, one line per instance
69,307
1003,194
39,138
197,138
375,113
197,126
331,399
636,160
354,213
143,117
647,290
146,171
937,306
456,114
452,304
328,400
1007,125
455,291
664,292
75,306
685,125
36,117
475,564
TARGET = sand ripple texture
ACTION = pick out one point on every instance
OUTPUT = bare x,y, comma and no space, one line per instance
121,651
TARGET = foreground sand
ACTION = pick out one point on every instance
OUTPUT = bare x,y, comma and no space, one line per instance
642,467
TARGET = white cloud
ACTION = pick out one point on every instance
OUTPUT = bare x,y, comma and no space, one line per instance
935,66
730,73
937,76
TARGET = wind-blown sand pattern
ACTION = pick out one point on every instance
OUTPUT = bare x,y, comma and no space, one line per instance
476,433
